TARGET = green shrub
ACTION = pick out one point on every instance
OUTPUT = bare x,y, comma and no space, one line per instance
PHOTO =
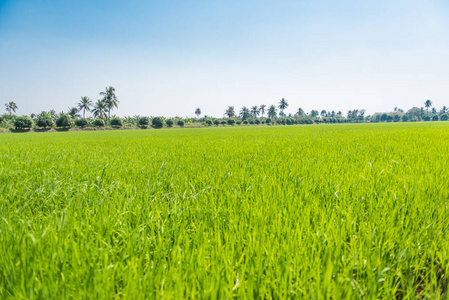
157,122
81,123
208,122
245,122
116,122
444,117
144,121
239,122
426,118
99,123
180,123
256,121
64,121
435,118
23,122
169,123
216,122
404,118
231,121
223,122
44,122
268,121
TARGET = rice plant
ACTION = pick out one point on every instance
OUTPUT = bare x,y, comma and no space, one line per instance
319,212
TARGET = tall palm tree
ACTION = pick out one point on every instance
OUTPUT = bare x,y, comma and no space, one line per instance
262,109
100,109
244,113
11,107
283,104
255,111
198,113
272,112
428,104
84,104
230,112
110,99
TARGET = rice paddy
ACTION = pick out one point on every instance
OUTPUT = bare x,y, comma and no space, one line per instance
311,212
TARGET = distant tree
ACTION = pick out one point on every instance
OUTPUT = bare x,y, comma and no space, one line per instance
99,123
434,110
64,121
230,112
81,123
100,109
144,121
262,109
300,112
110,99
23,122
198,113
116,122
84,104
73,112
272,112
244,113
157,122
428,104
283,104
323,113
11,107
255,111
314,113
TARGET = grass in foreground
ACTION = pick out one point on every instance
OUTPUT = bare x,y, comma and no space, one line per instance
344,211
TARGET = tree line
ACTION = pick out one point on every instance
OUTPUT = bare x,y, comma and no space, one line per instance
100,116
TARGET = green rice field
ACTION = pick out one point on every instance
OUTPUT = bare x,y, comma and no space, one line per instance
274,212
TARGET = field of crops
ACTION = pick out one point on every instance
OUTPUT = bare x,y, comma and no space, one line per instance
326,211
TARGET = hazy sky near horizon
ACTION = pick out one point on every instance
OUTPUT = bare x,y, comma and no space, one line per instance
169,57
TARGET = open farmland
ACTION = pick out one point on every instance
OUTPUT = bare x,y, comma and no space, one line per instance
332,211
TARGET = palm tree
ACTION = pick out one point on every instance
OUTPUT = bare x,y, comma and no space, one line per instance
323,113
84,104
11,107
428,104
73,112
110,99
272,112
100,109
262,109
244,113
283,104
255,111
230,112
198,113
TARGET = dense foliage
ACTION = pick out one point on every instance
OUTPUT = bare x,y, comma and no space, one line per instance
23,122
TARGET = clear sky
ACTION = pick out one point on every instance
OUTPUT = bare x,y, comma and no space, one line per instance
168,57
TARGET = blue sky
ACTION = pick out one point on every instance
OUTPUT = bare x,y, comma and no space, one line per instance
169,57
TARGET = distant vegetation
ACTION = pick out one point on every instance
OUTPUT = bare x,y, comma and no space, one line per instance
99,116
